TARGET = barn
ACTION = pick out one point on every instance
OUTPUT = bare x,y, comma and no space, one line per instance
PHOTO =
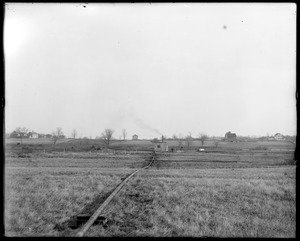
278,137
135,137
230,137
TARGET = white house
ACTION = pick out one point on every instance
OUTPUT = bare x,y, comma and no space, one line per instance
33,135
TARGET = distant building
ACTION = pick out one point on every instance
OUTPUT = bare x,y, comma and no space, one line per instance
278,137
14,134
135,137
33,135
230,137
161,146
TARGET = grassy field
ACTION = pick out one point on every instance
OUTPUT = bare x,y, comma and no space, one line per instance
245,193
87,144
222,160
253,202
33,146
43,193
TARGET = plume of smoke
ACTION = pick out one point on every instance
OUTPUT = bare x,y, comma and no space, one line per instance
143,125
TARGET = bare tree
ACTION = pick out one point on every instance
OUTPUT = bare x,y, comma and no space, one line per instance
107,136
21,132
188,140
74,134
124,134
57,135
203,137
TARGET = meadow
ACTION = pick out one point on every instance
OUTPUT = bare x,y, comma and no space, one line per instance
247,191
244,202
42,193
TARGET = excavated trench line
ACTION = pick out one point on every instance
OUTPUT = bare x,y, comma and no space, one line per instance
93,218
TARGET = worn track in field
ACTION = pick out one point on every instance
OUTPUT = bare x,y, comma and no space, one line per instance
93,218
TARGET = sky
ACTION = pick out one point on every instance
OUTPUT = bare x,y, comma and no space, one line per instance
152,69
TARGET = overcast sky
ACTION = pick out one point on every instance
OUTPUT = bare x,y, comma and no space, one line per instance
161,68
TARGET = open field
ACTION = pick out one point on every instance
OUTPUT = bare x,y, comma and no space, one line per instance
253,202
221,160
216,194
41,193
133,145
72,145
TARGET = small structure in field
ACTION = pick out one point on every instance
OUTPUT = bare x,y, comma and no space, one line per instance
135,137
230,137
278,137
161,146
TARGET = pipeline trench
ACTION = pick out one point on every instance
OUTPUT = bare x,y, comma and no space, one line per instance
82,222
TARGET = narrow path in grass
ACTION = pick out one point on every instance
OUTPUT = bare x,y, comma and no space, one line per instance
92,209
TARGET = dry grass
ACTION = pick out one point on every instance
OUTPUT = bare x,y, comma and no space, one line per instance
192,159
34,141
132,145
215,203
44,192
41,194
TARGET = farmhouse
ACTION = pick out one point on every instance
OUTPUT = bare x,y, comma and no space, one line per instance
135,137
33,135
14,134
230,136
278,137
161,146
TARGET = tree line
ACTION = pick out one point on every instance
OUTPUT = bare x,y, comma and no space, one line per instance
107,136
23,132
